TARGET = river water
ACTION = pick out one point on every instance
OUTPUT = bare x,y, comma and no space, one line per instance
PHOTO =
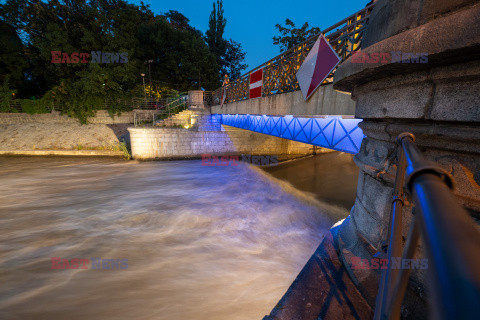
201,243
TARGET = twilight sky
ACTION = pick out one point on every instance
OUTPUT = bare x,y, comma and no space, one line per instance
252,22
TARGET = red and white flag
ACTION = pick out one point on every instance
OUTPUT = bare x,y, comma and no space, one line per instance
256,83
318,64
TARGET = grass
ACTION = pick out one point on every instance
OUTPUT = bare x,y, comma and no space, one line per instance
121,146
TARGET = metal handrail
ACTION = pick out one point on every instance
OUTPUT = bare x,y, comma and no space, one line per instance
166,110
313,38
452,241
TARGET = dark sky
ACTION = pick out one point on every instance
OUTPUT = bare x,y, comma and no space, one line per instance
252,22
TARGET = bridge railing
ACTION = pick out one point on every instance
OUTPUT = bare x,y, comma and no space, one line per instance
279,73
451,239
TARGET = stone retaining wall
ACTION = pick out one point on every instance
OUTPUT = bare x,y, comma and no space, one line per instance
158,143
101,117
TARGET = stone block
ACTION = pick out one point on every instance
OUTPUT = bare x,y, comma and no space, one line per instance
375,154
376,197
456,101
402,102
368,224
389,18
431,9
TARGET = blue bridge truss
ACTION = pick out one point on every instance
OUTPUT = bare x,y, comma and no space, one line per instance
332,132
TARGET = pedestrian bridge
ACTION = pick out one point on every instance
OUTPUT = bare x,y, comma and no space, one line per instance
326,119
332,132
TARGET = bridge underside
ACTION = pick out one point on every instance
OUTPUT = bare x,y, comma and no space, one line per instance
332,132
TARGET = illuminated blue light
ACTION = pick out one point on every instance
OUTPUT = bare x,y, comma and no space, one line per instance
332,132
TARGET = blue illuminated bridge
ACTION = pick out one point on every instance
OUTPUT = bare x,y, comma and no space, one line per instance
325,119
332,132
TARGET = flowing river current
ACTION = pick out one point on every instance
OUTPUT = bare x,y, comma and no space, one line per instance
197,242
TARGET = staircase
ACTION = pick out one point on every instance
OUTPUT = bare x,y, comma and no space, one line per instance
180,119
198,119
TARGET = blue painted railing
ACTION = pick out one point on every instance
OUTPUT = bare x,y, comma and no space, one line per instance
332,132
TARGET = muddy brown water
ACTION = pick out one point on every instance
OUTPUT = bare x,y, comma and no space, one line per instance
200,242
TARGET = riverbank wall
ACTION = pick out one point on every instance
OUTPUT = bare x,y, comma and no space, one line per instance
164,143
57,134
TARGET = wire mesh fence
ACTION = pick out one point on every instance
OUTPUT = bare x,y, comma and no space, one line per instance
120,105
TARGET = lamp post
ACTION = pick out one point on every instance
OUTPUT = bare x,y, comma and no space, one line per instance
144,90
150,73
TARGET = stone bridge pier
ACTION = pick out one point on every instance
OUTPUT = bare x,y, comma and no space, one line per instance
438,101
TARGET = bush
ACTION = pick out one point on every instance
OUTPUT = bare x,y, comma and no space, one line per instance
6,95
33,106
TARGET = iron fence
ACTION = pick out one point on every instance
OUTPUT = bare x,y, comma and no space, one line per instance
208,97
279,73
34,106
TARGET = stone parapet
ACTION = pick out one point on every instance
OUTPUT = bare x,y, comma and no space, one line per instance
325,101
438,101
195,98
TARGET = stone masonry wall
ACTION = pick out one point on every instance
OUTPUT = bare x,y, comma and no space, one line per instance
101,117
157,143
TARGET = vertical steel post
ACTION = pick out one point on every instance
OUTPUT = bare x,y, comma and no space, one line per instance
389,276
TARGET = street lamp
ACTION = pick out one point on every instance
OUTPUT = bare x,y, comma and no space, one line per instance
149,72
144,90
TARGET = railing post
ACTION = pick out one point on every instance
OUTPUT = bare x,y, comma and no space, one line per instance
451,238
394,236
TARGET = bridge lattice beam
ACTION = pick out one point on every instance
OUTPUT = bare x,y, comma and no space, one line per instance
332,132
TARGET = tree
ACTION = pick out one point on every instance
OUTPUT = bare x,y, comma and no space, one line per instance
180,56
234,57
229,54
12,56
214,34
291,36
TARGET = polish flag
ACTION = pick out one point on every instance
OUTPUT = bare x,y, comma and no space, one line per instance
318,65
256,83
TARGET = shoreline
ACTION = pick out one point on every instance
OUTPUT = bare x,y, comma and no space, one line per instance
331,177
62,153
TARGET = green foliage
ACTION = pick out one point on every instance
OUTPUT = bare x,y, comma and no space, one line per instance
216,28
6,95
125,149
291,36
32,106
12,56
180,57
234,57
229,54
